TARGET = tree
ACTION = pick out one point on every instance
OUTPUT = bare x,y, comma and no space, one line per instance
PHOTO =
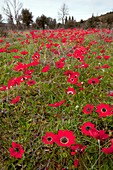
12,9
1,19
66,20
26,17
41,21
63,12
3,27
69,18
72,18
51,23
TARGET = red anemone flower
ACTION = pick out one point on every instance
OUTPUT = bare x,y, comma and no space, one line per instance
20,66
60,64
71,90
105,66
72,79
49,138
45,68
83,65
80,58
57,104
77,148
28,72
31,83
86,127
68,72
98,57
65,138
3,88
36,56
16,150
76,163
103,110
76,74
78,55
24,52
106,57
1,40
16,56
93,81
88,109
33,63
98,134
17,99
110,93
108,150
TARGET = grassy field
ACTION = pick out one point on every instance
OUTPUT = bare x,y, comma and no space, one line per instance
56,100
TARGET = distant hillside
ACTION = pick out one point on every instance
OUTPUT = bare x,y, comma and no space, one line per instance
102,21
108,16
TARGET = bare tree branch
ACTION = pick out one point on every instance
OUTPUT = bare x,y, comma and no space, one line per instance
63,12
11,9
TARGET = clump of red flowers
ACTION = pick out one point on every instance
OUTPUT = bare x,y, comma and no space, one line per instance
64,138
98,134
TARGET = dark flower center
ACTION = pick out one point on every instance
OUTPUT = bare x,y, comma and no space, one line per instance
88,128
70,92
64,140
104,109
17,149
93,81
78,150
49,139
31,82
88,109
72,79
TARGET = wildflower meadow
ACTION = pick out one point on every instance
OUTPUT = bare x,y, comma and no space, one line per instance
56,100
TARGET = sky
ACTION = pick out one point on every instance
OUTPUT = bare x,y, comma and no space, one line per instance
79,9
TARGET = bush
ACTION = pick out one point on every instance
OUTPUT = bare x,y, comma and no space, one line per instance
3,32
70,24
